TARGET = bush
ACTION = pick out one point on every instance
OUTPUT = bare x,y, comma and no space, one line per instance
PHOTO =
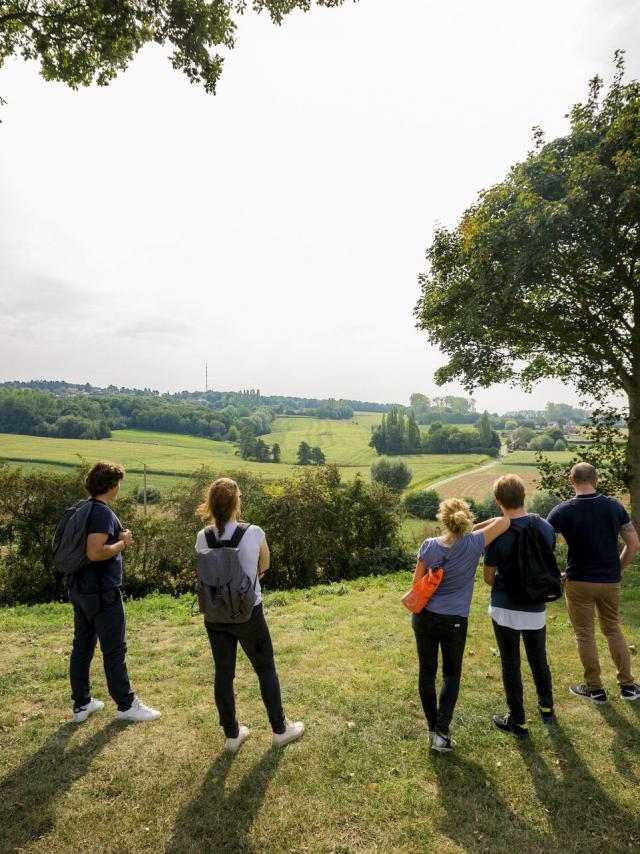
560,445
319,530
424,505
542,503
153,495
394,474
486,508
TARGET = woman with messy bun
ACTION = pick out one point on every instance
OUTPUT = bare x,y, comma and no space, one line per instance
442,624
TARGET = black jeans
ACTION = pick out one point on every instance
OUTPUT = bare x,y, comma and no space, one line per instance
434,632
535,645
99,616
255,640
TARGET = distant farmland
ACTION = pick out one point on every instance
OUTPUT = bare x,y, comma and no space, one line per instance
477,484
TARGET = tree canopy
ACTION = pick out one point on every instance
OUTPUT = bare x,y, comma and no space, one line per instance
541,278
80,43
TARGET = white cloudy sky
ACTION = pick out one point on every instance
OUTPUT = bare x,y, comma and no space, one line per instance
276,231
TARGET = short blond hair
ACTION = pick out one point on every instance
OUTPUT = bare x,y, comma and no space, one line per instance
456,516
509,491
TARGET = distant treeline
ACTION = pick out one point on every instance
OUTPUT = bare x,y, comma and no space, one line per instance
400,434
65,411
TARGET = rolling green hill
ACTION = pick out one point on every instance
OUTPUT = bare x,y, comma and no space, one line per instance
170,456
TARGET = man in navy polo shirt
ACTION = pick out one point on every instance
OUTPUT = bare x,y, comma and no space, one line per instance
591,524
98,613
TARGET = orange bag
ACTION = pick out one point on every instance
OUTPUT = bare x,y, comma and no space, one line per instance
416,599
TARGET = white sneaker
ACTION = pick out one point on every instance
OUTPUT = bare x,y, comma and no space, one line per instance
442,743
138,712
84,711
232,745
294,729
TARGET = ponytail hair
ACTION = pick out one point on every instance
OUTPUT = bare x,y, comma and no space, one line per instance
456,516
220,503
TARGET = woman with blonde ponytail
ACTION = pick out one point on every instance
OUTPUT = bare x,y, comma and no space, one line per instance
221,505
442,625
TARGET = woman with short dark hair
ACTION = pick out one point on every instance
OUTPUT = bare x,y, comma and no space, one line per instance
95,592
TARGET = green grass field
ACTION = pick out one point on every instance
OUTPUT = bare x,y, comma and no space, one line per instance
361,780
168,456
528,458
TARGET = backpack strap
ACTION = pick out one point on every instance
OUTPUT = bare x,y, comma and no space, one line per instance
233,543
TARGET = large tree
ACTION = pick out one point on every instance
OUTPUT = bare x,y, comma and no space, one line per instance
541,278
80,42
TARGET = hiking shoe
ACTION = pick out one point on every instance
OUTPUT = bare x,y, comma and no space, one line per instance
505,724
138,712
442,743
294,729
546,714
630,692
81,713
232,745
598,696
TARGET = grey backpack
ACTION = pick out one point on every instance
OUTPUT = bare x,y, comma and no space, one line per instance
226,594
69,544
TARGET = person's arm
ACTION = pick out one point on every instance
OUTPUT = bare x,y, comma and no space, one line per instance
496,528
98,550
631,544
489,573
420,571
264,558
480,526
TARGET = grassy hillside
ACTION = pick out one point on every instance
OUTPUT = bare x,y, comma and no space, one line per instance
361,780
169,455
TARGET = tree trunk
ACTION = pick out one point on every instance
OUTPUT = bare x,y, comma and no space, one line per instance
633,455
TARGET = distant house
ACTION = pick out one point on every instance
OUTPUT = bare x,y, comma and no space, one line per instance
518,445
554,424
571,427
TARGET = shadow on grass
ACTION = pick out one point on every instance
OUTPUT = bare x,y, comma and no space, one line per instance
625,747
581,812
29,794
477,816
221,821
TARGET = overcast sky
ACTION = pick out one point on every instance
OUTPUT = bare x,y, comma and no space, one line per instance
277,230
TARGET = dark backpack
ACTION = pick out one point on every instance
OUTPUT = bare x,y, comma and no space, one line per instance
69,544
538,577
226,594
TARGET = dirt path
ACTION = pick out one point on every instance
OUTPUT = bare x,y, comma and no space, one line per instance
465,473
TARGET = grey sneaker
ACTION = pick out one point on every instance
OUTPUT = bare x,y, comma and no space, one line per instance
81,713
630,692
599,695
293,731
233,745
442,743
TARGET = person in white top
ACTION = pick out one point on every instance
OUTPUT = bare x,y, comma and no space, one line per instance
222,506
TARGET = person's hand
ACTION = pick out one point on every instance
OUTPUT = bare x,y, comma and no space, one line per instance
126,537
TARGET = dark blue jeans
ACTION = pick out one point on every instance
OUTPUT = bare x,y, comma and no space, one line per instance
436,632
535,645
99,616
255,640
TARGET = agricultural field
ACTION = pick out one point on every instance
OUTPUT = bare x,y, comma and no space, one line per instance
171,456
528,458
477,484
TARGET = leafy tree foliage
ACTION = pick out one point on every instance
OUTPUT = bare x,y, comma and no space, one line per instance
304,454
392,473
80,43
541,278
275,452
423,504
317,456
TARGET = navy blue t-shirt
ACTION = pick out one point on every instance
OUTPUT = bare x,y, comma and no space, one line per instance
100,574
502,553
591,525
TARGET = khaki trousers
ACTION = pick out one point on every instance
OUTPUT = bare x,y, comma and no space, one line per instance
584,599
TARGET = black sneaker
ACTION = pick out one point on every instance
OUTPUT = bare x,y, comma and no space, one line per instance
598,696
630,692
505,724
546,714
442,743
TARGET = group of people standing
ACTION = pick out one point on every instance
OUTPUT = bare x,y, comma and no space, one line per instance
591,523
